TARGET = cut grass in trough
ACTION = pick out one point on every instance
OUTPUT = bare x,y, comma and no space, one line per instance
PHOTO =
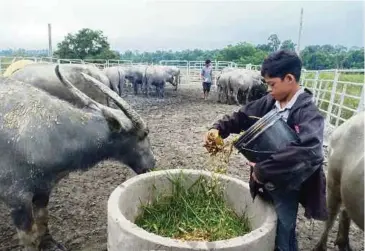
195,213
198,212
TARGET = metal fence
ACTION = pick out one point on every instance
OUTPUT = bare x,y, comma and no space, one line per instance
190,70
339,94
100,63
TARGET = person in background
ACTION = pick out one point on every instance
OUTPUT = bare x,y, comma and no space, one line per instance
295,174
207,77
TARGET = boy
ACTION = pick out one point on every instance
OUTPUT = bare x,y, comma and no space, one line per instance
295,174
207,76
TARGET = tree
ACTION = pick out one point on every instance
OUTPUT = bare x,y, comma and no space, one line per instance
274,42
85,44
264,47
288,45
354,59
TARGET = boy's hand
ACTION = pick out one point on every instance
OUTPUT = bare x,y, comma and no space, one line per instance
211,136
251,164
212,140
255,178
253,173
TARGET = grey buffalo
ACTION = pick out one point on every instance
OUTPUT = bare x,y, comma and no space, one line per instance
116,76
44,138
43,76
139,75
240,86
345,181
158,76
175,72
222,87
224,70
222,79
135,75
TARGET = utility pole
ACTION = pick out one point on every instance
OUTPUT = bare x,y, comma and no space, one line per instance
50,53
300,31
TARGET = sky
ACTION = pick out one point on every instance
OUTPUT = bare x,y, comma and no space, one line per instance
149,25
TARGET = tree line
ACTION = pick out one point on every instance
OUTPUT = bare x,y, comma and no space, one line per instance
93,44
314,57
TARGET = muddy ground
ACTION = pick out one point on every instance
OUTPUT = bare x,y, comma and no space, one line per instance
78,205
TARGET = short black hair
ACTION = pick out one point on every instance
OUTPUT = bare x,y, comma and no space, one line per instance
280,63
207,61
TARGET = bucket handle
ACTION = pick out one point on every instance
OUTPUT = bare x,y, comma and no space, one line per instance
254,117
244,148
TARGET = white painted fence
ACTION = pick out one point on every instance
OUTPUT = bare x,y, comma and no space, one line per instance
100,63
190,70
339,94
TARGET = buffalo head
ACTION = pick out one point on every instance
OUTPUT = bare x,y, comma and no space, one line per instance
127,132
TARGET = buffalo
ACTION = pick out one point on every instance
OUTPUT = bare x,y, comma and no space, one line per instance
43,138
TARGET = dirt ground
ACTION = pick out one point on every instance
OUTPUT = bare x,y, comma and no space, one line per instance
78,206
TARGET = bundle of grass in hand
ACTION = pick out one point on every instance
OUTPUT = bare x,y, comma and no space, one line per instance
221,151
196,213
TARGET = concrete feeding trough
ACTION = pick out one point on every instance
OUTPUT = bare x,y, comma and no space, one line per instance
125,201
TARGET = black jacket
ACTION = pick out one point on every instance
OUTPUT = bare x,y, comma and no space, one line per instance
299,165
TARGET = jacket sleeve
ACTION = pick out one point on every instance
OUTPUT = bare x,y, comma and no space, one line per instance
239,120
297,158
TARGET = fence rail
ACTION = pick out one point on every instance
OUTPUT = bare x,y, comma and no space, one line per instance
338,93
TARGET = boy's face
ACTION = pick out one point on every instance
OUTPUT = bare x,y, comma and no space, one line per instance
280,88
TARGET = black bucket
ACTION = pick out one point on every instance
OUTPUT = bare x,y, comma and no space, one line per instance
265,137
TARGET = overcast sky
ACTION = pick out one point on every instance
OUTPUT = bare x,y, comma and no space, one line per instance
149,25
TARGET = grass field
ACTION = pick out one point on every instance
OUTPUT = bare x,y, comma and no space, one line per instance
4,63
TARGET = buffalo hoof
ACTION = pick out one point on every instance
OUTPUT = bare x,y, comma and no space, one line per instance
30,249
345,247
319,247
50,244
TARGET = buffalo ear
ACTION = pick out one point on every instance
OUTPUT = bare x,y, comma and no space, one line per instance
117,122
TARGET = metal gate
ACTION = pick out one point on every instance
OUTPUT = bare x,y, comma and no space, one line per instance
190,70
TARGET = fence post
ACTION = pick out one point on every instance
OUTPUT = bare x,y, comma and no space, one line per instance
188,71
314,86
332,99
302,78
320,88
361,105
342,99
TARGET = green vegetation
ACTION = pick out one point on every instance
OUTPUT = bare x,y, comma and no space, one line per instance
195,213
85,44
315,57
